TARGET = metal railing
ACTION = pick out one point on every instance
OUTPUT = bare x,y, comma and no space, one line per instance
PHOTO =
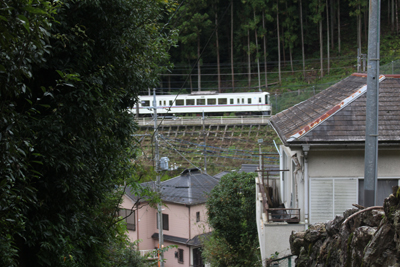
215,120
284,215
150,254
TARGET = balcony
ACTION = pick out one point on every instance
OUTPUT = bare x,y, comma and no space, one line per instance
149,254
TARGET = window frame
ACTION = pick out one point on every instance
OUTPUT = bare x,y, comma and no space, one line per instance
165,221
180,255
124,214
198,216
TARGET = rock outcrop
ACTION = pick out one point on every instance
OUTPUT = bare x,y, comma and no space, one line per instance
370,238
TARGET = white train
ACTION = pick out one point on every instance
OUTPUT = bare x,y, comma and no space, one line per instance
209,102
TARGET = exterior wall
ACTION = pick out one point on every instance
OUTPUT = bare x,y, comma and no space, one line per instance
350,163
202,226
171,261
178,220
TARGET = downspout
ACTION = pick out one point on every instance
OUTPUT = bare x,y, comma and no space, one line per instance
306,197
190,237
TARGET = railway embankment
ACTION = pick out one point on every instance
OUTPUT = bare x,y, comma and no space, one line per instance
361,237
224,146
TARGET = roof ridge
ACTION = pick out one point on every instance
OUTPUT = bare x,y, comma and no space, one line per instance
336,108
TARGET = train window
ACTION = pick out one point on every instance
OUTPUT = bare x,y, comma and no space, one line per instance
201,101
171,102
231,101
222,101
266,99
238,101
259,100
189,102
160,103
242,100
180,102
211,101
248,100
165,103
146,103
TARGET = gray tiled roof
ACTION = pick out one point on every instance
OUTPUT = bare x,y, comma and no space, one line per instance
190,188
347,124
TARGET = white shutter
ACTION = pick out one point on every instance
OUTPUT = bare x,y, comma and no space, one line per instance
330,197
345,195
321,200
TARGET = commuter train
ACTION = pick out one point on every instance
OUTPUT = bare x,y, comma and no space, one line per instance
210,102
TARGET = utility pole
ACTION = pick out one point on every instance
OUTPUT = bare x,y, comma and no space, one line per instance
204,151
158,182
371,129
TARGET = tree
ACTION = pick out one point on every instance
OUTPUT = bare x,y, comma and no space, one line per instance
231,213
65,133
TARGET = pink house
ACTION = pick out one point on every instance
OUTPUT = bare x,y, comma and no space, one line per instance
184,218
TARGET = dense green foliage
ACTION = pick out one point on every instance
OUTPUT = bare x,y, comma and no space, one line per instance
69,72
231,213
278,24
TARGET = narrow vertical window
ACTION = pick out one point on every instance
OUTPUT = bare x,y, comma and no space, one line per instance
180,255
198,216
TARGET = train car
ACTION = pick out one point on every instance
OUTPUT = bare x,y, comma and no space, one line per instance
209,102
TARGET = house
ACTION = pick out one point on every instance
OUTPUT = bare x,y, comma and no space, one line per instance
184,218
323,154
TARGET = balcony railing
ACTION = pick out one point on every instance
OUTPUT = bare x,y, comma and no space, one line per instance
150,254
283,215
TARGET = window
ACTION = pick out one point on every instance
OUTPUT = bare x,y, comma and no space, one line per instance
211,101
201,101
198,216
165,103
170,102
146,103
259,100
330,197
160,103
165,223
266,99
248,100
231,101
180,255
129,217
222,101
189,102
180,102
242,100
238,101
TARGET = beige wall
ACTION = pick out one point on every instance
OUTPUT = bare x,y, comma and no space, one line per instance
202,226
350,163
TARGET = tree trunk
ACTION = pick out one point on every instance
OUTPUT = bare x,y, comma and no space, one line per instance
366,26
190,78
248,58
258,60
338,27
265,50
217,47
359,28
302,39
332,24
327,35
279,43
291,60
392,16
198,65
232,67
397,18
321,45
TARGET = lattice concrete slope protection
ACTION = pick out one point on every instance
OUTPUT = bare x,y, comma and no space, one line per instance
227,146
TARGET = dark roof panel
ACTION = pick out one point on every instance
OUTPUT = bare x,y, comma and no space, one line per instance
190,188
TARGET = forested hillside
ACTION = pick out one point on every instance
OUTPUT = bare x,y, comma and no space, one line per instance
247,45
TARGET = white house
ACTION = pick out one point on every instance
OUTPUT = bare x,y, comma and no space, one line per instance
323,150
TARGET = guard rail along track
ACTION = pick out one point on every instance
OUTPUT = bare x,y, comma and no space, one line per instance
220,120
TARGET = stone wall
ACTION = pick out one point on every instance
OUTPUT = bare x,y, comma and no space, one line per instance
370,238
